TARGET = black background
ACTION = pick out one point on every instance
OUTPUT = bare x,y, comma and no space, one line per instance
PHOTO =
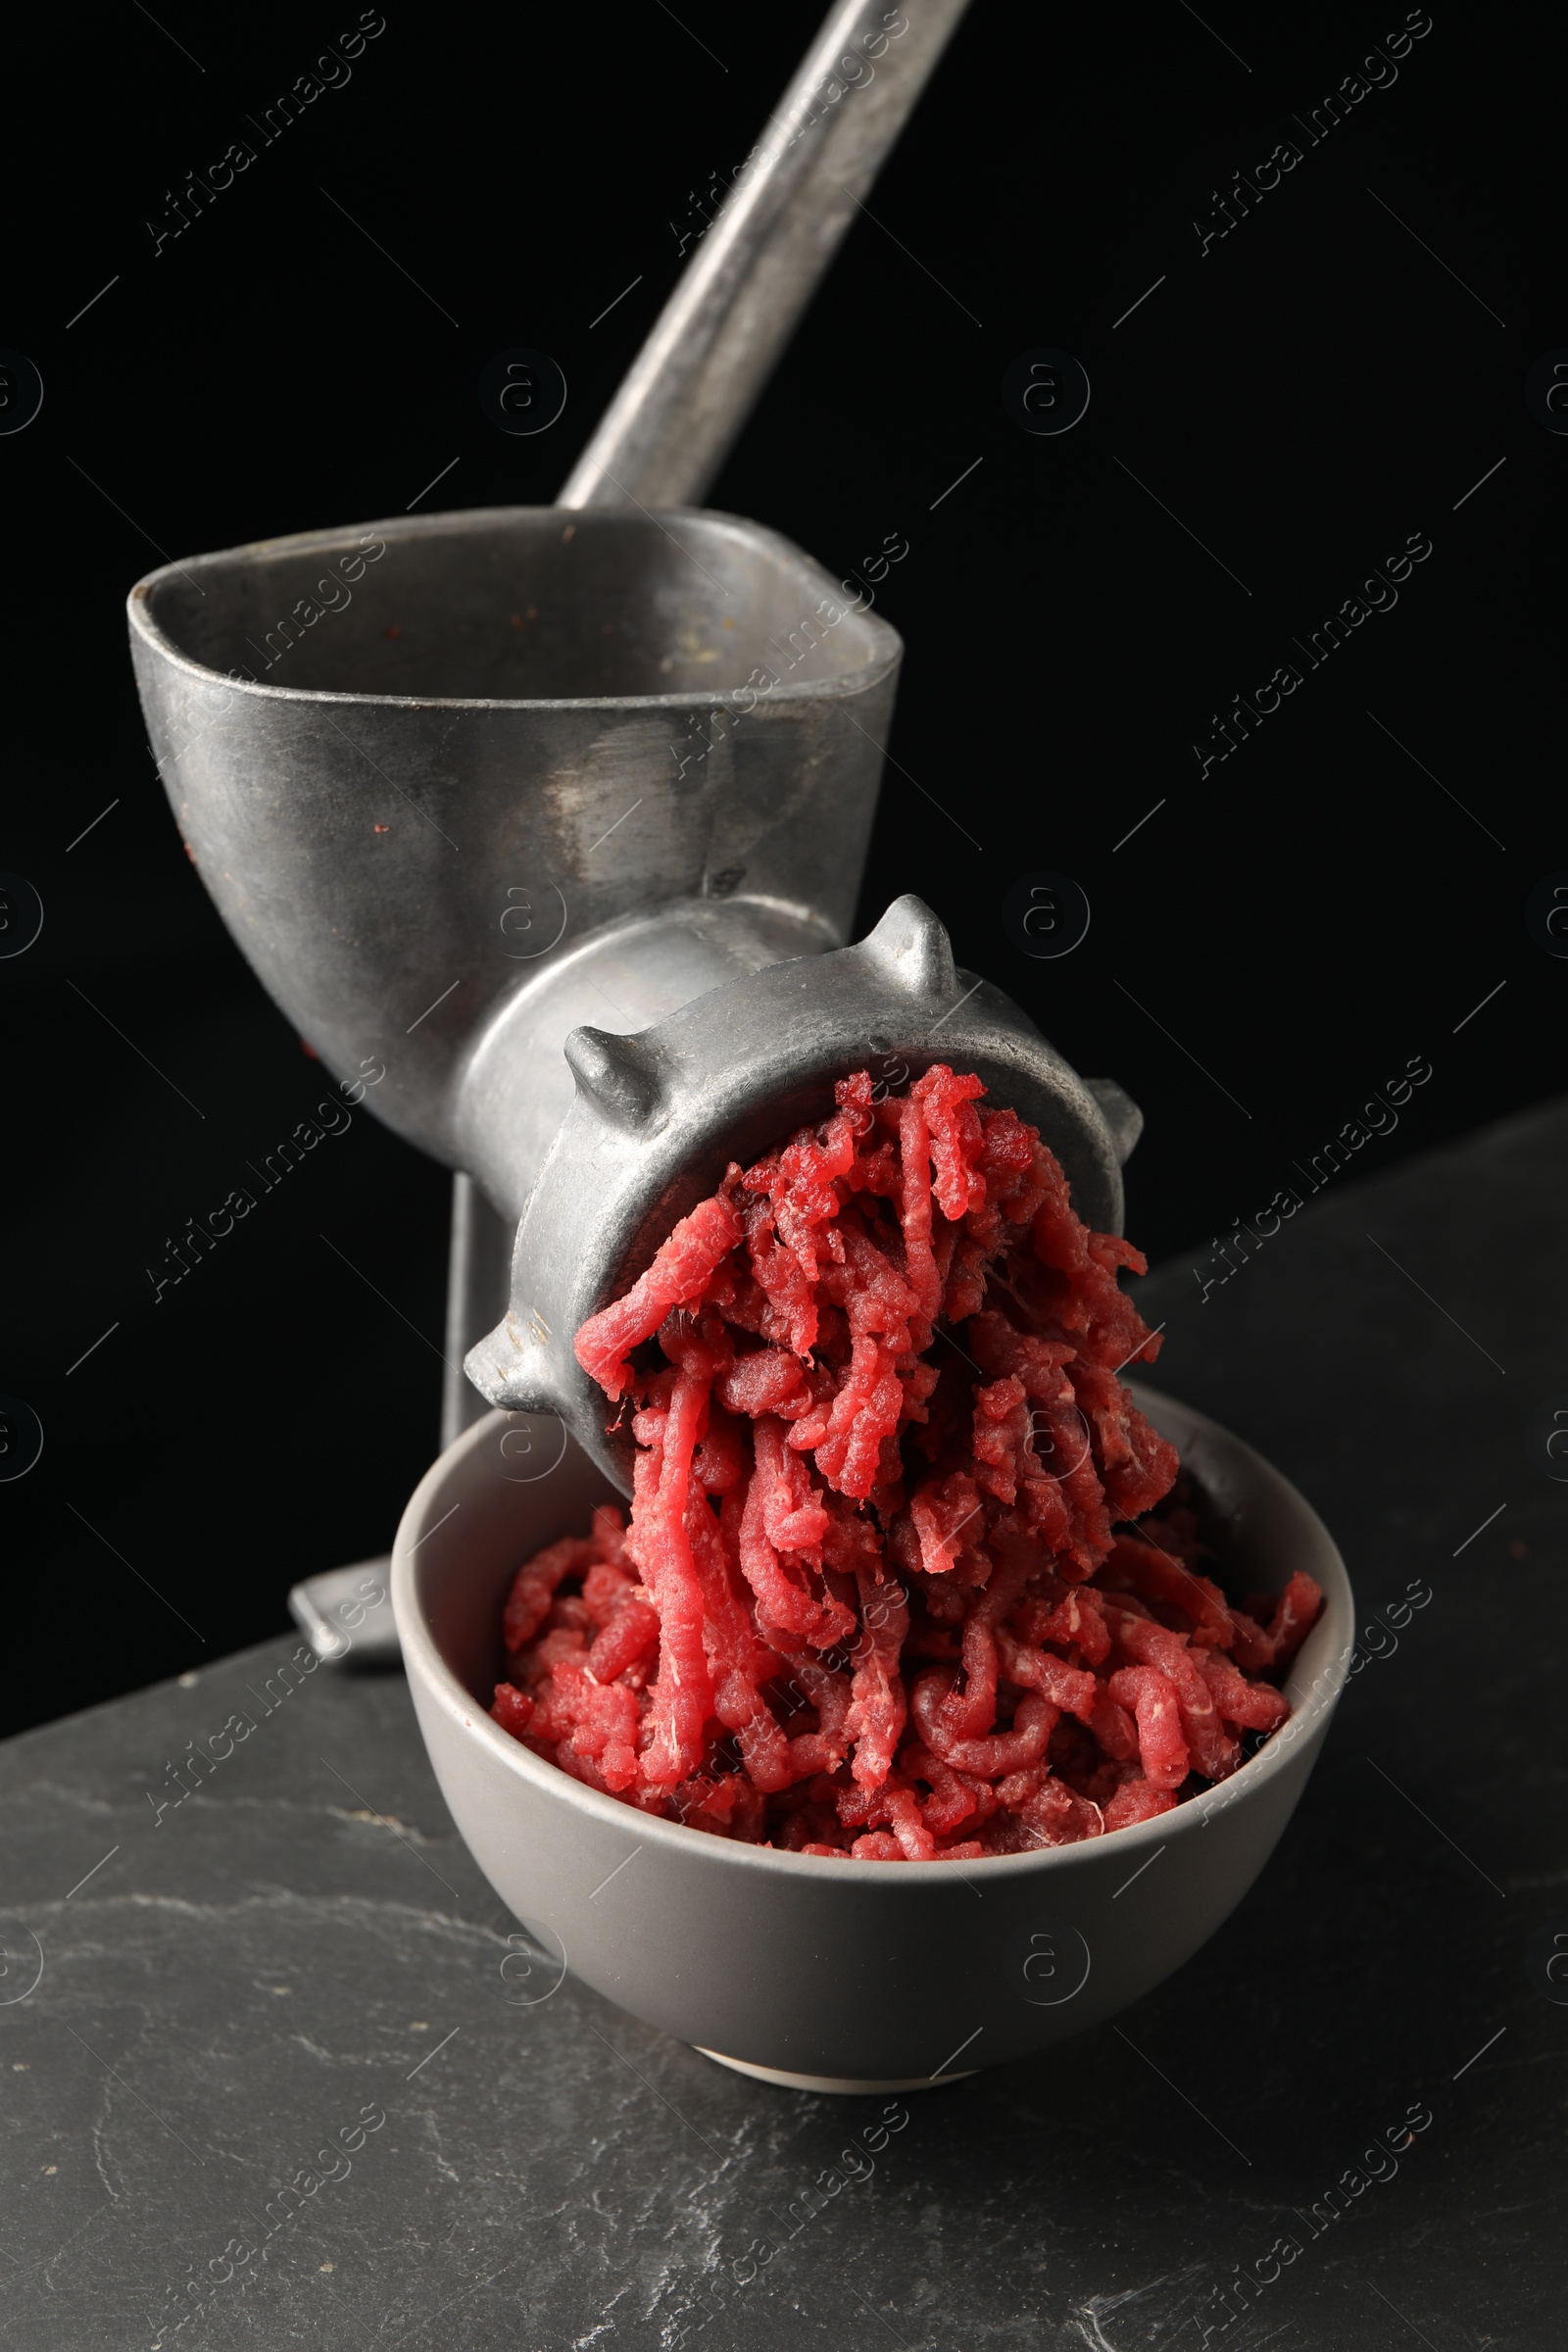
1304,397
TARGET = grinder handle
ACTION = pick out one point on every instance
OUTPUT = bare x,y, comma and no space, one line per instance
714,344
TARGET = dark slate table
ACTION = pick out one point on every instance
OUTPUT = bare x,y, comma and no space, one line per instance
301,1959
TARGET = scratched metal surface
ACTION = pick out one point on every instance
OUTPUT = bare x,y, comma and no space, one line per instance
250,1980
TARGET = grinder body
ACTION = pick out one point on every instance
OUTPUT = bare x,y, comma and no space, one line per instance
556,826
657,1117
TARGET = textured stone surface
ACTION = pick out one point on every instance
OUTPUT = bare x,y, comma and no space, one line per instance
303,1945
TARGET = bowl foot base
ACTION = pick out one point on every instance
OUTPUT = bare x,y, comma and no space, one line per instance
848,2085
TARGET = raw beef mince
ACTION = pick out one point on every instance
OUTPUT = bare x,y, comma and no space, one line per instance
907,1577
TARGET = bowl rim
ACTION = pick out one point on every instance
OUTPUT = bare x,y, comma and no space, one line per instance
140,603
1312,1714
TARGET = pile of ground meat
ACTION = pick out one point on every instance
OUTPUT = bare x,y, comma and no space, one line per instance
883,1594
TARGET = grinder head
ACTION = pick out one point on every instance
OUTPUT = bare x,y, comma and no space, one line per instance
659,1115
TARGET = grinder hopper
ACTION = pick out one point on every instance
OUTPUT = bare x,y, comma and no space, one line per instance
559,815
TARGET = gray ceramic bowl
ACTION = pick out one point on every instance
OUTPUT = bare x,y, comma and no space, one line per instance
824,1975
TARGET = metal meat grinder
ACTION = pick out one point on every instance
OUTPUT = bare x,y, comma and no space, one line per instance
560,817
